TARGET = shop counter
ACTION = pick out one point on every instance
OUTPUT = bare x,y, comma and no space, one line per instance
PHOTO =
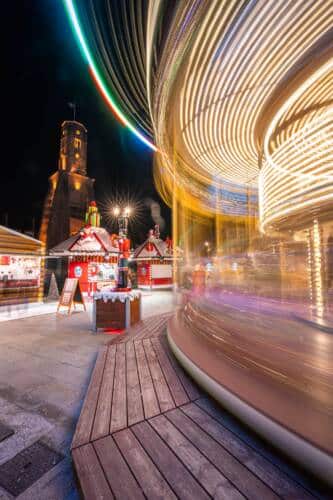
116,310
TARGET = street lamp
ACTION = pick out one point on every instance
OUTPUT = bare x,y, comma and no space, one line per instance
122,215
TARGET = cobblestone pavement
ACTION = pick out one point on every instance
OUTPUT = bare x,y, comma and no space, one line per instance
45,367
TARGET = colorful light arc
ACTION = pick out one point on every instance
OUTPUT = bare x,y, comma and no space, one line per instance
74,19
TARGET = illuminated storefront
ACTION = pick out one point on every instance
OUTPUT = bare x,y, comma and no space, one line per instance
91,254
92,258
154,261
21,271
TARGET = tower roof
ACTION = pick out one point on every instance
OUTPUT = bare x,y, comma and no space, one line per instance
73,122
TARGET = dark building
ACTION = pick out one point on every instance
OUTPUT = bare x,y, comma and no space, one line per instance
70,189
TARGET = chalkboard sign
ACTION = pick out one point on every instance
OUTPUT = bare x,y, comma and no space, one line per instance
71,294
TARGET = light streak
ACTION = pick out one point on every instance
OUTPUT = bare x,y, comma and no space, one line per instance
207,114
317,267
73,16
297,174
208,89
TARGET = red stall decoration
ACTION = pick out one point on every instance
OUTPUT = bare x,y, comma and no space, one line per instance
154,260
92,255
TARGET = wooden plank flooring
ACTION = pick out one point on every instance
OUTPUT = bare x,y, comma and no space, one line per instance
147,431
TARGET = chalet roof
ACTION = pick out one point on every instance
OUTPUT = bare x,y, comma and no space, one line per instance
160,249
13,242
76,244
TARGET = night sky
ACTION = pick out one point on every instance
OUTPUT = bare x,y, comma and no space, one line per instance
44,71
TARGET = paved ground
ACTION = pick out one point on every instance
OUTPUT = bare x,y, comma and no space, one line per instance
45,366
11,312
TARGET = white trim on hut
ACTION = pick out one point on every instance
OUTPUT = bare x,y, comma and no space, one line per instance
154,262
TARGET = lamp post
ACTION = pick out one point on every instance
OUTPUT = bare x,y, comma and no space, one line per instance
122,216
122,219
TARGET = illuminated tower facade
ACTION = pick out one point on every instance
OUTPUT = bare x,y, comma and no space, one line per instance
73,148
70,189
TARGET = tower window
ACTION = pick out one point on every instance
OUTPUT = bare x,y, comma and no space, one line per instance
77,143
78,132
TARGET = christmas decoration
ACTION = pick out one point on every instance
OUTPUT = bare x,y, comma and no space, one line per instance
93,254
53,293
93,217
154,260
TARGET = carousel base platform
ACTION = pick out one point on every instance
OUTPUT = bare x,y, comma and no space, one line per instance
147,431
325,324
249,380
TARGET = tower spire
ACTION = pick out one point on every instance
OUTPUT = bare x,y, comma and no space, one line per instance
72,105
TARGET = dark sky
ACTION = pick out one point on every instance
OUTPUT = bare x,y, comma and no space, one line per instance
45,71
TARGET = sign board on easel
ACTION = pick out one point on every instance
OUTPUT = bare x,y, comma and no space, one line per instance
71,295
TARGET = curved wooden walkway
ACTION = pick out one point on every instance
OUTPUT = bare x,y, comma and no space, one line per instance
146,431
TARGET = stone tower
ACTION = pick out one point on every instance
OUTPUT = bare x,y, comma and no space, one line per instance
73,148
70,190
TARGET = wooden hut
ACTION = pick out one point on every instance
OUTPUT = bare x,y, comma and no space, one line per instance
154,260
92,258
21,268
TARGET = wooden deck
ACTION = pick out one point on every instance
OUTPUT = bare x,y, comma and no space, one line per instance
146,431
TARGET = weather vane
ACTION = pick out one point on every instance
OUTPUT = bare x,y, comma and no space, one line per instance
72,105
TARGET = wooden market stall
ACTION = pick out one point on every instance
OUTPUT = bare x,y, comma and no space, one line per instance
154,259
91,254
21,268
92,258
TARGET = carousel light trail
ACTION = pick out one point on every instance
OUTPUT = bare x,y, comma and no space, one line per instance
221,63
98,77
297,174
235,63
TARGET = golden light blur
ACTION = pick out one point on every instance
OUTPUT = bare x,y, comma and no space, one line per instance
243,116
